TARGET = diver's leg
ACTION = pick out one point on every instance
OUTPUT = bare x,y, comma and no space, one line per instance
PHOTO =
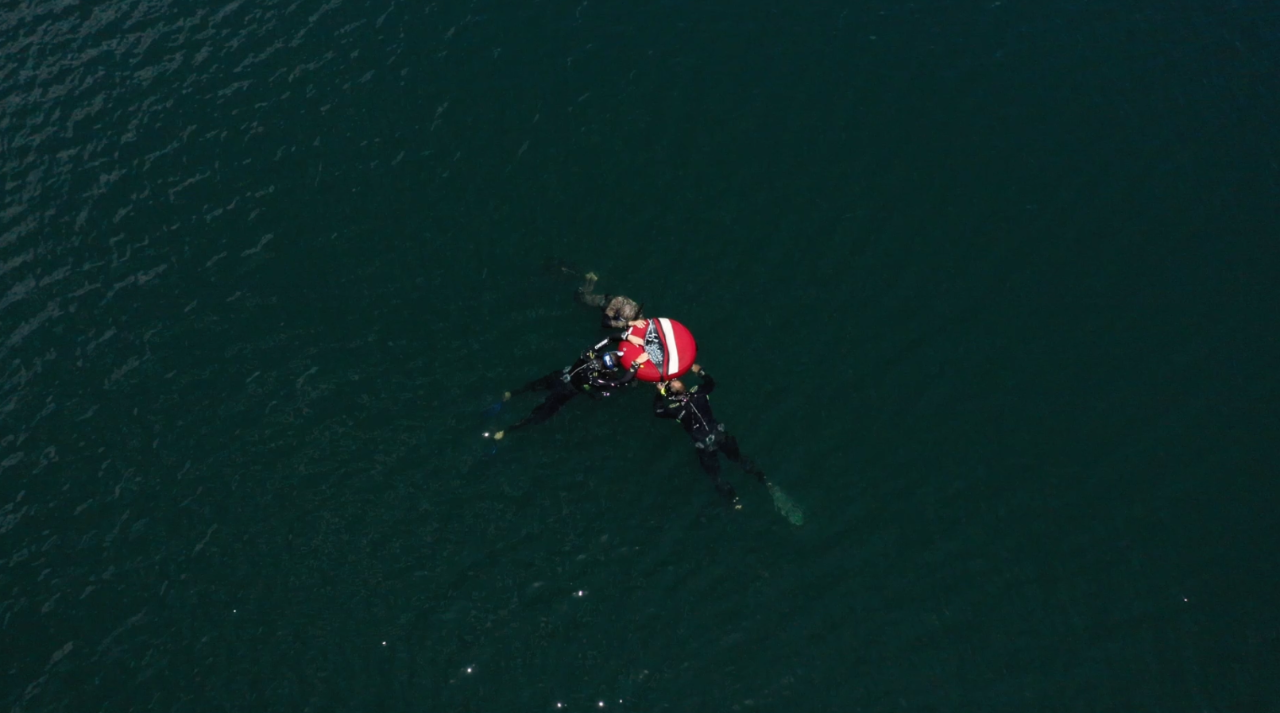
586,293
733,453
542,383
711,464
545,410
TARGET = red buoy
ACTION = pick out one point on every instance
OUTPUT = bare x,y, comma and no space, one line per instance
667,342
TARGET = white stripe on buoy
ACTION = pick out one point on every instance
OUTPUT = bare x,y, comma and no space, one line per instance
673,352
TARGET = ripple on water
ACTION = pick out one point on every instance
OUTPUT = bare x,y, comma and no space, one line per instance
152,154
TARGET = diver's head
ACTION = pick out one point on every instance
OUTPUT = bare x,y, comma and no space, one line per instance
675,387
623,308
612,360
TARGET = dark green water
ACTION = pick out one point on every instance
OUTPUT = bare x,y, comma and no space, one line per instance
989,289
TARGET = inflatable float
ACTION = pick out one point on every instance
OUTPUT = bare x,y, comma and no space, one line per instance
668,343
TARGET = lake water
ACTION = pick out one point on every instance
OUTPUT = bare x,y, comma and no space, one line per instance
989,291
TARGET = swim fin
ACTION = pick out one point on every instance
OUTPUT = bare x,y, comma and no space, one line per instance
785,505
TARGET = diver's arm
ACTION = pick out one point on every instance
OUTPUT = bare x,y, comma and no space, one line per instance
661,408
599,346
708,384
629,374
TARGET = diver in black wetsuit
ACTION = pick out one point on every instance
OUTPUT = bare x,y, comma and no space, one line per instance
692,408
596,373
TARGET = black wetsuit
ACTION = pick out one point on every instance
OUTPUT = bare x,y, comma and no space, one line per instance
588,375
693,410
